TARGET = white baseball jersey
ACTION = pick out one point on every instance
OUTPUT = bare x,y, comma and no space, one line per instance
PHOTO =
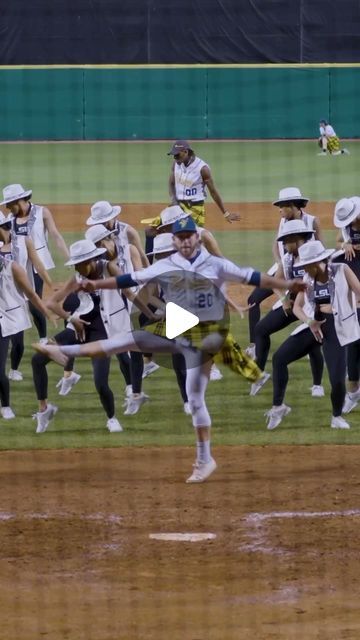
189,184
195,286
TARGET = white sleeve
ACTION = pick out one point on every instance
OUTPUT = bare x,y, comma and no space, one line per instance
231,272
149,273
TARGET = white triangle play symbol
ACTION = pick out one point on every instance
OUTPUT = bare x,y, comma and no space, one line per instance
178,320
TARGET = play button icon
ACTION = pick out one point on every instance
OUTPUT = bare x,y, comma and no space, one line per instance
178,320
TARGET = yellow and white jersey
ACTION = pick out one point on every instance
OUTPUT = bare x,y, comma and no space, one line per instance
189,184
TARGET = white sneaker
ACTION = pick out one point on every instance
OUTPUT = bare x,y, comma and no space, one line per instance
339,423
250,351
150,368
187,409
53,352
256,386
346,152
201,471
317,391
7,413
44,417
114,425
275,415
134,403
15,375
44,340
322,153
66,384
351,401
215,373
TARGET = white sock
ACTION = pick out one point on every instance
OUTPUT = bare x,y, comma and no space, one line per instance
203,451
70,350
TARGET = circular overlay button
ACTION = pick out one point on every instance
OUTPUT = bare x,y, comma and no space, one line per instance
193,318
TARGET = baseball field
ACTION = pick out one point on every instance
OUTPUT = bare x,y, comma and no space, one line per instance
83,511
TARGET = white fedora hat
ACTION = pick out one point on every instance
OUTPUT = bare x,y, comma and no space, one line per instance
97,232
102,211
14,192
171,214
313,251
290,194
82,251
163,243
5,219
292,228
346,211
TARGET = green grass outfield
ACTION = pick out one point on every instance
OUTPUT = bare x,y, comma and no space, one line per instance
138,172
244,171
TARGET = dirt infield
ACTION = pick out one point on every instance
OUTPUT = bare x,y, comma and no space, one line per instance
254,216
77,562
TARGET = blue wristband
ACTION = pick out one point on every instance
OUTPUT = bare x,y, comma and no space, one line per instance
125,281
255,279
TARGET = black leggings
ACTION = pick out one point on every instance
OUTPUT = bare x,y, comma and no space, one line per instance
298,346
274,321
353,358
39,318
4,380
17,349
101,368
256,297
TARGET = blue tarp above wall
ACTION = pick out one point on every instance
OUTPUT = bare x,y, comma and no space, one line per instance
179,31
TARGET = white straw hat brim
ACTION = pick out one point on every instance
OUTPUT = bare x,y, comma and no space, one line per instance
112,214
163,250
18,196
341,224
322,256
299,232
85,257
291,199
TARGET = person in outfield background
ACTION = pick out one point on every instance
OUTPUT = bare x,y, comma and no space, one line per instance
291,204
190,177
328,141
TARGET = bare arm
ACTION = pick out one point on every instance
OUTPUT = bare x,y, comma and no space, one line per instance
172,191
210,243
54,233
317,231
135,240
314,325
54,303
209,182
36,262
23,283
353,282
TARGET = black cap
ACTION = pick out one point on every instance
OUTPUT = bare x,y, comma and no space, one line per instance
179,145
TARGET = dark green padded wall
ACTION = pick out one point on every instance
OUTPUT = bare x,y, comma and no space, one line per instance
170,102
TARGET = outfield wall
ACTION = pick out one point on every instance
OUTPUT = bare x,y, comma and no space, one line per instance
99,103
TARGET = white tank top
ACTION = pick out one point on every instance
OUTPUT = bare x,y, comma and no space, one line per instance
189,184
39,235
14,314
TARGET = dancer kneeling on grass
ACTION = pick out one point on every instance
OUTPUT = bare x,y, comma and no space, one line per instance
328,311
207,336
